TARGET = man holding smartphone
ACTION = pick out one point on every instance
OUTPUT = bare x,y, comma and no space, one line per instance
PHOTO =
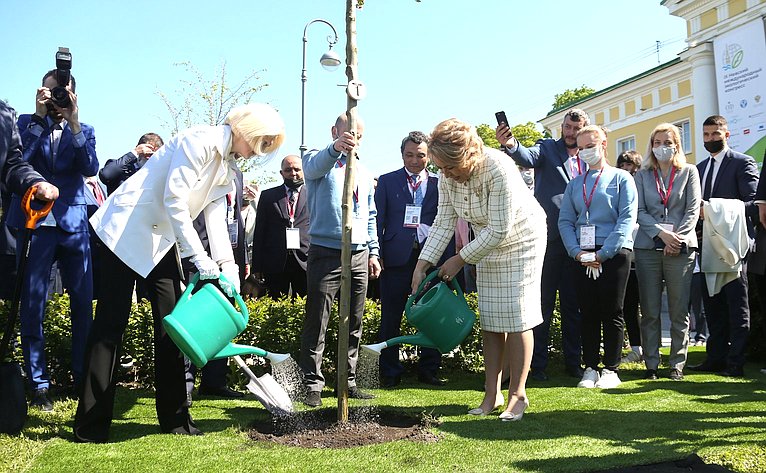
555,163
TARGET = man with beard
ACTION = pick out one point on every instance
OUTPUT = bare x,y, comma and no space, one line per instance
63,151
281,241
555,163
325,172
726,174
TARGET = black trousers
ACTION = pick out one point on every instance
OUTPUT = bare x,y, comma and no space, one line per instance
293,275
601,303
95,409
630,310
728,320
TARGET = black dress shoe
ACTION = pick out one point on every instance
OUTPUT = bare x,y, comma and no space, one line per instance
676,374
390,381
650,374
538,375
575,371
732,372
40,399
223,391
706,367
313,399
427,378
355,393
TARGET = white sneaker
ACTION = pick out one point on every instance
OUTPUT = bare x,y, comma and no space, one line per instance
631,357
609,380
589,379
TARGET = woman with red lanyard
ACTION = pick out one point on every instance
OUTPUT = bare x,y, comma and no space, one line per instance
598,212
668,208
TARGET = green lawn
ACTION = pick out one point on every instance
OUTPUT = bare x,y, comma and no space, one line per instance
566,429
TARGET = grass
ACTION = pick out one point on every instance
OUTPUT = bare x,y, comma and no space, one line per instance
565,430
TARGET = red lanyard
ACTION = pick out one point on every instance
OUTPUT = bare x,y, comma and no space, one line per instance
664,196
414,185
589,198
579,168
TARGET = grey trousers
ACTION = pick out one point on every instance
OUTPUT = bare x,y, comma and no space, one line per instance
323,274
652,268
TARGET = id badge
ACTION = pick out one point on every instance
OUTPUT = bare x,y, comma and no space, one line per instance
668,227
588,237
412,216
293,238
359,232
233,232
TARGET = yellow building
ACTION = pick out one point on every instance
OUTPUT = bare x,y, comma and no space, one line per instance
685,91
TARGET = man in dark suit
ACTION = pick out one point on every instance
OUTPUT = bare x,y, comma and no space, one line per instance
727,174
62,150
281,241
115,171
555,163
407,202
16,176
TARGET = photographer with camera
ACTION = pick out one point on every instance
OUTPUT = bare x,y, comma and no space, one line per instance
63,151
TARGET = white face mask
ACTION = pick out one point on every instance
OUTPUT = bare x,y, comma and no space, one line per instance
591,156
664,153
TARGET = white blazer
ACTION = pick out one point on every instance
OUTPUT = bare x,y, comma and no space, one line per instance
153,209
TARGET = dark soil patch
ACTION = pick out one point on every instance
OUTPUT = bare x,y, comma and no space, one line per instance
366,426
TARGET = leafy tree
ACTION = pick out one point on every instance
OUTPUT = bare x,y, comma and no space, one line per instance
487,135
201,100
570,96
527,134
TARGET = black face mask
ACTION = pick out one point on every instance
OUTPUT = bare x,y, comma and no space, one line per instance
714,146
293,183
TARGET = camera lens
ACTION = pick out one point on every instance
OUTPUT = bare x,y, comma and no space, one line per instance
60,97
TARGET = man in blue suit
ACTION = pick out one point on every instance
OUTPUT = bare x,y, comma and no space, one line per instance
727,174
555,163
407,201
63,151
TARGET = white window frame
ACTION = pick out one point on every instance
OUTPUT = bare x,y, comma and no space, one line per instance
686,135
622,144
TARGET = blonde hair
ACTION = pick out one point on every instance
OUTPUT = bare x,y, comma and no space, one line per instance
456,143
258,124
679,158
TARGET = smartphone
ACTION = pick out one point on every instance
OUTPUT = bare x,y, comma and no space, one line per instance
501,118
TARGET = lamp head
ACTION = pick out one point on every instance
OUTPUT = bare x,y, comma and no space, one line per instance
330,60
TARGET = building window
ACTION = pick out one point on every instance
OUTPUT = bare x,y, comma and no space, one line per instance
686,135
626,144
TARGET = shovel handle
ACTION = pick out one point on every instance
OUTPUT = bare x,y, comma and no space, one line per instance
34,215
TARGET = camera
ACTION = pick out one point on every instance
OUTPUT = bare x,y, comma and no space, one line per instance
60,94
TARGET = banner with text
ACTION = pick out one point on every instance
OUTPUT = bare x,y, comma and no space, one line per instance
740,67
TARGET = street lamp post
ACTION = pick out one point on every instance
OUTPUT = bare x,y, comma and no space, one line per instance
330,61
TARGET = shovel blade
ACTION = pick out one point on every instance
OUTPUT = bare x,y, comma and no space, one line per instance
13,403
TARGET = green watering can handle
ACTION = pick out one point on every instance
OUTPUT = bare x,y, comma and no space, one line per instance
240,302
433,274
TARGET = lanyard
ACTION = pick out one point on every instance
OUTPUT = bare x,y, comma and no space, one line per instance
414,185
589,198
229,207
664,195
579,167
291,206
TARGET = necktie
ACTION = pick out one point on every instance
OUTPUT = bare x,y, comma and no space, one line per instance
96,189
418,192
709,180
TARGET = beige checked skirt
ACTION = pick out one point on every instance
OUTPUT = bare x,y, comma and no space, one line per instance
508,284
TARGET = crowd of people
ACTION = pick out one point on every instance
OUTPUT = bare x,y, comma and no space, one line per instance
603,240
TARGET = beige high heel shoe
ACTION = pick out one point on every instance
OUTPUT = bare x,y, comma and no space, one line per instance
508,416
478,411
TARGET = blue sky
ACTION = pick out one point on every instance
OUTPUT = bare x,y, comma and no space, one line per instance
421,62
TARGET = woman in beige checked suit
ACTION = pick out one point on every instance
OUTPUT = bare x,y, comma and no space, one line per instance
484,187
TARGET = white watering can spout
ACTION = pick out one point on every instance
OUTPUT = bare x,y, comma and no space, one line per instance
376,347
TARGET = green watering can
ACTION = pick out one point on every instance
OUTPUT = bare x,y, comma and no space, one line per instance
203,324
443,318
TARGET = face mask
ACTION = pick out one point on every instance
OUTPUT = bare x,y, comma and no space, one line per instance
664,153
591,156
714,146
293,183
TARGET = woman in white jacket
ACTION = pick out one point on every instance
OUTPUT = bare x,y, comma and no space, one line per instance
146,227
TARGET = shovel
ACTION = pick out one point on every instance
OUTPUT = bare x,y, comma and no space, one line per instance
13,403
271,394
